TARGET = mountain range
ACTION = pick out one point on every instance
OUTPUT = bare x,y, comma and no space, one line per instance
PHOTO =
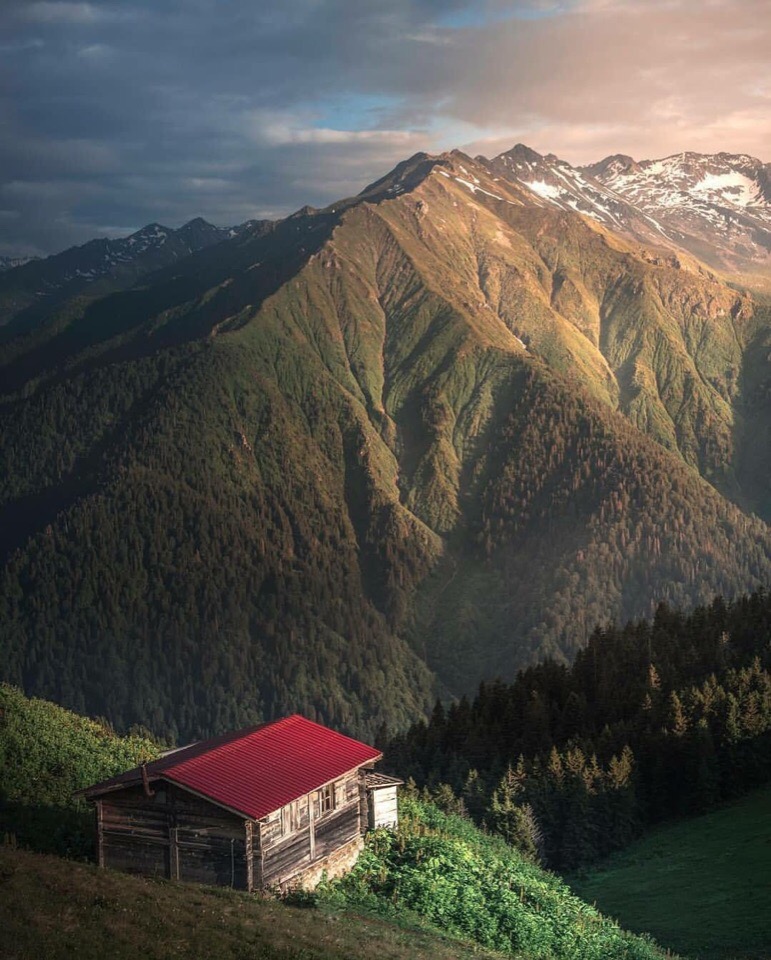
715,207
337,462
30,287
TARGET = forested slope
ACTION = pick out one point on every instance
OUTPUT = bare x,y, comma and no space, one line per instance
654,720
288,472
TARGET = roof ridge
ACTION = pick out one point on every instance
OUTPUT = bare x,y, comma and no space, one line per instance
254,774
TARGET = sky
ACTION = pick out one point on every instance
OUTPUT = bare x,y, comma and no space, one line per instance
118,113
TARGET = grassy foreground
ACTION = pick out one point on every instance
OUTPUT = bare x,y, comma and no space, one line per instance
52,908
702,887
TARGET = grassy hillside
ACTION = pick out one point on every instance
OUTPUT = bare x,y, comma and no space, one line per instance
46,754
52,909
472,884
437,873
701,886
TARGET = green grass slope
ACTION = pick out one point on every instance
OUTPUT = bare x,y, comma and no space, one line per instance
471,884
435,883
52,909
46,754
700,886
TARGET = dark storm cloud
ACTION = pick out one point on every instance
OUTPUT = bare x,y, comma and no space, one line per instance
118,113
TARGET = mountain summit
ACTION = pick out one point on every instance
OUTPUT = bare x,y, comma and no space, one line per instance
714,207
98,267
334,463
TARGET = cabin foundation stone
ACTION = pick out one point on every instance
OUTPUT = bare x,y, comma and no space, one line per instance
336,865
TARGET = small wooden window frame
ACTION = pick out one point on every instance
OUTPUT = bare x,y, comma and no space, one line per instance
290,818
327,798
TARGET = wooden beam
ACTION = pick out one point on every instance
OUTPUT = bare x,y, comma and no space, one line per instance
149,792
311,827
249,854
99,834
173,852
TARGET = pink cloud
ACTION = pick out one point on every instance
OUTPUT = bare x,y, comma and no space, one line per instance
613,76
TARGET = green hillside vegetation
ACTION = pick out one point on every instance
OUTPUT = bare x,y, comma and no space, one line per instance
52,909
436,873
474,885
46,754
700,886
653,720
316,469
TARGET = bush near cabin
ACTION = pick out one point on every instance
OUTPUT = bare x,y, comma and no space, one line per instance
471,884
46,754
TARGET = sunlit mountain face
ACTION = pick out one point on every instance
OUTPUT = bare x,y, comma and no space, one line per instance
717,207
342,460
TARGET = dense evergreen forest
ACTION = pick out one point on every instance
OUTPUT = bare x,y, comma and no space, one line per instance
318,468
653,720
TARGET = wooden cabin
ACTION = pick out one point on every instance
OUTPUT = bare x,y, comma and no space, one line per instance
268,807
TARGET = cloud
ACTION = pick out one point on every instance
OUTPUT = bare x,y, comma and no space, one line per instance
141,110
64,12
61,12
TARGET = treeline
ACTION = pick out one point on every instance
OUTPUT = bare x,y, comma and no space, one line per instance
576,519
653,720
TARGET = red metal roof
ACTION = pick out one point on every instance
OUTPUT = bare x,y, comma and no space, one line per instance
257,770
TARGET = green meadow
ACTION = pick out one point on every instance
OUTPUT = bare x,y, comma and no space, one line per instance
701,887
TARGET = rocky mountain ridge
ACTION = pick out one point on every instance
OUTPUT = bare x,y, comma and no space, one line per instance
10,263
715,207
101,266
429,433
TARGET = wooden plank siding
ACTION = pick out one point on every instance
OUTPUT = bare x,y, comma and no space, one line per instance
302,833
384,809
179,835
172,834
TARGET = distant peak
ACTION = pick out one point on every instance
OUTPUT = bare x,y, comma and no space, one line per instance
405,176
197,222
613,165
306,211
151,229
521,152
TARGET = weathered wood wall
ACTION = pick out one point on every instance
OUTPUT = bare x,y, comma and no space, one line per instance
178,835
292,840
172,834
384,809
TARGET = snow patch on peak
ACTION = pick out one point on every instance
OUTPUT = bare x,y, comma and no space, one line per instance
732,185
544,189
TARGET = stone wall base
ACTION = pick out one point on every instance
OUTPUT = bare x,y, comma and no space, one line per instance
335,865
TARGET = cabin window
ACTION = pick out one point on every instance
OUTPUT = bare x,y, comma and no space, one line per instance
294,816
327,799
